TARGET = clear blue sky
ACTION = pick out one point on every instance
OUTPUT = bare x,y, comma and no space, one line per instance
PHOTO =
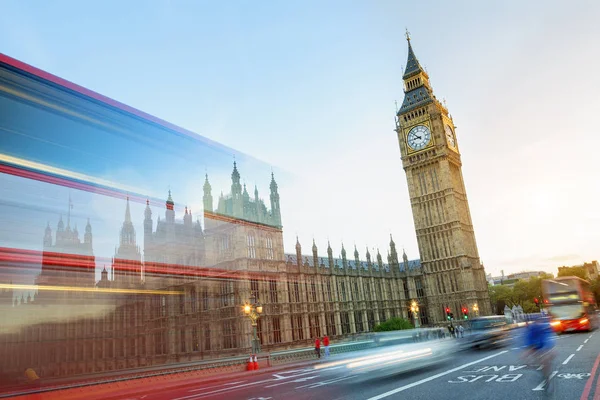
309,87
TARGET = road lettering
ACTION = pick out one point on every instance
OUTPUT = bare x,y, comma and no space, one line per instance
581,375
496,368
488,378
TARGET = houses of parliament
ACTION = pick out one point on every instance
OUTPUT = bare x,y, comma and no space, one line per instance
176,295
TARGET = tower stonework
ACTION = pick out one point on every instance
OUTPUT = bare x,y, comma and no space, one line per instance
454,275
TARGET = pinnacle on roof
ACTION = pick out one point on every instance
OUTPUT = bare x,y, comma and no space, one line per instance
127,212
412,63
235,175
170,199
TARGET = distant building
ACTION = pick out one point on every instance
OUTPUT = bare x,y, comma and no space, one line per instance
590,269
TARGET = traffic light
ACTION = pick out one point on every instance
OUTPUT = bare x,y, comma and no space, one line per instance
537,302
448,315
465,312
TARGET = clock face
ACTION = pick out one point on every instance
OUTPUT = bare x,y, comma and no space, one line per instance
418,137
450,136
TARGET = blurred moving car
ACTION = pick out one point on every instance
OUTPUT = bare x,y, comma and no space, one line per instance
486,332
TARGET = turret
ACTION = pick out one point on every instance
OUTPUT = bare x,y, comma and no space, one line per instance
87,237
368,255
315,254
48,236
330,255
236,192
275,207
298,252
147,225
127,229
393,253
344,262
207,199
379,259
187,218
170,211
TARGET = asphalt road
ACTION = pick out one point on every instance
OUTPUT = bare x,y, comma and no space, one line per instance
490,374
483,374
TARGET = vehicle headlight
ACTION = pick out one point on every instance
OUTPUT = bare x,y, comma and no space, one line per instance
555,323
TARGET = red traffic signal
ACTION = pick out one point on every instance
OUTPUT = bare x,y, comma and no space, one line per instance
447,310
464,310
536,300
545,301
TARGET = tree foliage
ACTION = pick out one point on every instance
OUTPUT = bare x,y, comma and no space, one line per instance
522,293
579,272
393,324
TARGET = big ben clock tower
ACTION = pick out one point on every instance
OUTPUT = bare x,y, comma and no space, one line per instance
454,275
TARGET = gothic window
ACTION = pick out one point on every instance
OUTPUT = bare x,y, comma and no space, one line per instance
330,320
207,337
182,340
329,295
229,335
269,245
368,291
273,291
195,341
163,306
358,321
314,327
227,294
193,300
254,288
205,300
343,291
406,291
419,287
182,303
345,322
371,320
159,342
313,290
251,246
356,294
276,330
224,244
297,327
259,330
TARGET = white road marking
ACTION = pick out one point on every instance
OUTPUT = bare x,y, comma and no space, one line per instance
541,385
568,359
586,340
313,385
515,348
199,395
579,348
417,383
304,379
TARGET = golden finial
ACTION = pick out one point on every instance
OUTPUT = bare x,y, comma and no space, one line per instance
407,35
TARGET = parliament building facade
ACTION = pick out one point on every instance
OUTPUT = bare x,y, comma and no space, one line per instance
178,296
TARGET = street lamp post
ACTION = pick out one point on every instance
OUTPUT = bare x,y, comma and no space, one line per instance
414,308
476,309
253,310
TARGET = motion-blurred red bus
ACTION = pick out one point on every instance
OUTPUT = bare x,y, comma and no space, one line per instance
572,304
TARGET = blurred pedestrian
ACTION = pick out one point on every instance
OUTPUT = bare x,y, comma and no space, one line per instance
318,347
461,331
326,344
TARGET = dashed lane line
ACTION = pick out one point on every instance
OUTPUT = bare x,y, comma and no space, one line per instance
568,359
425,380
586,340
579,348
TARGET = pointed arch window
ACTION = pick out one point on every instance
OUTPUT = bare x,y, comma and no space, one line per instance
251,246
269,247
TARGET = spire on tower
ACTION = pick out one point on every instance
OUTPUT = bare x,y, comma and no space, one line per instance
412,64
128,212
